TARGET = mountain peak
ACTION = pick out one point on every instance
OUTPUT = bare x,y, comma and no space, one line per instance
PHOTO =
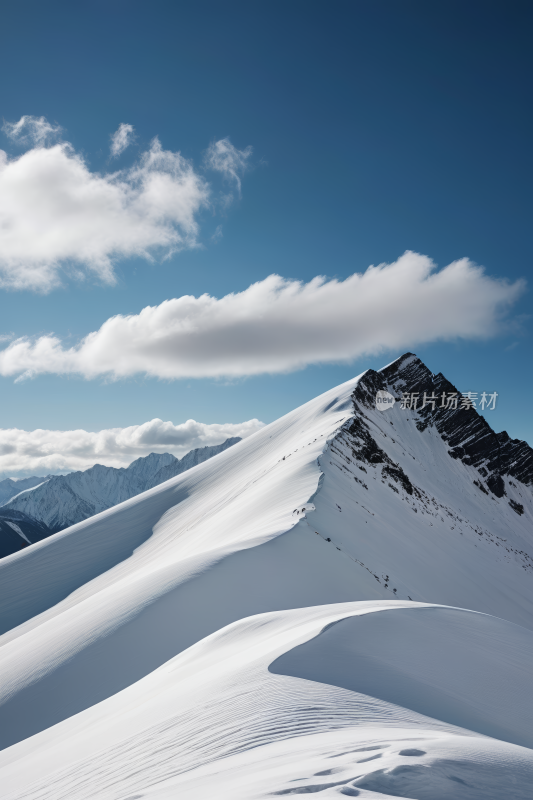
399,363
467,433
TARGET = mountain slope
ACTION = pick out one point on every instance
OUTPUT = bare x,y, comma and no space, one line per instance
358,699
63,500
419,482
365,507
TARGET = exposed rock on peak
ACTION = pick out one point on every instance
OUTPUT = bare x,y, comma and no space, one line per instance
467,433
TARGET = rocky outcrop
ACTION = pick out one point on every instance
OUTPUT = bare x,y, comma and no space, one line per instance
467,433
18,531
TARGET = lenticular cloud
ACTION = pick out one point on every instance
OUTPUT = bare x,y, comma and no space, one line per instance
56,215
279,325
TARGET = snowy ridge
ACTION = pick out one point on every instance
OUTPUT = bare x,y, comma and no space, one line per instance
116,685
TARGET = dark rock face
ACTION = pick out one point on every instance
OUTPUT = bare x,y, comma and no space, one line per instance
363,444
496,485
12,524
467,433
518,507
397,474
365,448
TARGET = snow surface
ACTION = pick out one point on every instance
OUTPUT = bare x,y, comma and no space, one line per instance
134,663
237,716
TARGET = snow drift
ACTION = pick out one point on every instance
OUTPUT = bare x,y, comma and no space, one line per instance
237,716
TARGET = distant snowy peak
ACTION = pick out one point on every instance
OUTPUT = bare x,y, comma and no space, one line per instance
63,500
9,487
142,470
190,460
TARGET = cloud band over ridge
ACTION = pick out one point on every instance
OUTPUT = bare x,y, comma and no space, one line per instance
279,325
42,452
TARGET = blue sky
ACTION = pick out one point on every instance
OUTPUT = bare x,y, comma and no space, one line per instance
376,128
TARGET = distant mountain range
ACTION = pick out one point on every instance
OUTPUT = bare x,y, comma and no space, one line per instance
34,508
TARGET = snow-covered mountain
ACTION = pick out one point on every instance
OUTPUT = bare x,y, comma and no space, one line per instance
62,500
9,487
189,460
341,603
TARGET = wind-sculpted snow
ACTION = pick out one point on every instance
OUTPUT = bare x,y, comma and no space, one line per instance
334,503
470,670
279,704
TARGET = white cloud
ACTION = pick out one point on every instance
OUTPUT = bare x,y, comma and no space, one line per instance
121,139
42,452
223,157
280,325
56,215
32,130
